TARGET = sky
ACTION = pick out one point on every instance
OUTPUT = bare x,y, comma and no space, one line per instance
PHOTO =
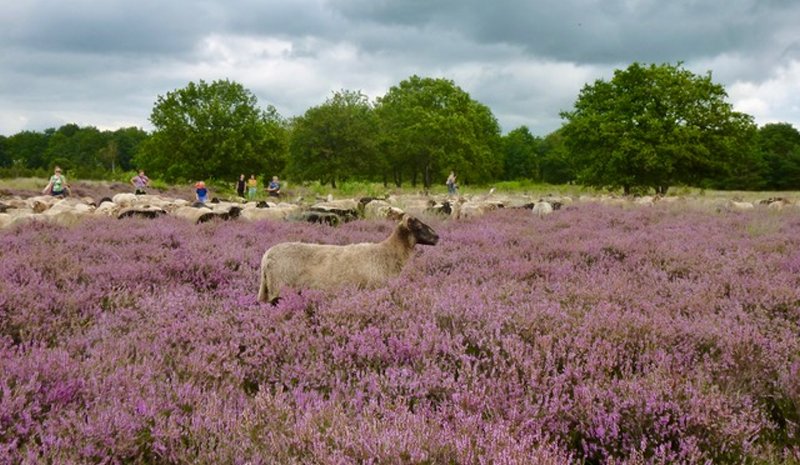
104,63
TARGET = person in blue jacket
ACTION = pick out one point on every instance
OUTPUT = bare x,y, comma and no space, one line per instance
201,192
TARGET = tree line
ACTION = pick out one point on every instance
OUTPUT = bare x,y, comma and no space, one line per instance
646,129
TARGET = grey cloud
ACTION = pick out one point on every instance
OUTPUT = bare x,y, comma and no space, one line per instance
107,27
524,59
594,32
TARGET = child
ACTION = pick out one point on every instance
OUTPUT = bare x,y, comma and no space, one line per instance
274,188
201,192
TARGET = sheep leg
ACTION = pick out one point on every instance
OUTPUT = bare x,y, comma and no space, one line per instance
262,288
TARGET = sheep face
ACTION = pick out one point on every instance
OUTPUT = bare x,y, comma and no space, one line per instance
423,233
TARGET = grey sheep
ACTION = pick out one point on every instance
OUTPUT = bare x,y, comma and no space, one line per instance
318,266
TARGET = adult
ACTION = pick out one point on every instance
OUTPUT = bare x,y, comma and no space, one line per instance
252,186
240,186
451,183
57,186
139,182
201,192
274,188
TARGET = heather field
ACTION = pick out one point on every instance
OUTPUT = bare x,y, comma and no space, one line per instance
596,334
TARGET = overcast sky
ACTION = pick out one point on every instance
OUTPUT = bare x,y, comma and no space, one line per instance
104,63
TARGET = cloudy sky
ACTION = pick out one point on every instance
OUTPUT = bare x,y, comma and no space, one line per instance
103,63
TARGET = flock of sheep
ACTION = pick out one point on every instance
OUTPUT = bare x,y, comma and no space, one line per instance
16,210
71,210
315,266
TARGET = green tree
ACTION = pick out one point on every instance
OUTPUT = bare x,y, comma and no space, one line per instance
334,141
212,131
653,127
557,165
27,149
77,149
109,155
5,154
430,126
521,155
128,140
779,146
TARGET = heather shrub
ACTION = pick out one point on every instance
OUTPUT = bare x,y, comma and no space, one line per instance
594,335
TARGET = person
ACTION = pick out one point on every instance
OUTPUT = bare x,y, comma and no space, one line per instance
451,183
140,182
240,185
274,188
57,186
252,185
201,192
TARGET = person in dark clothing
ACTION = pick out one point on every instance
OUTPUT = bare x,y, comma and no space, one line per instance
240,183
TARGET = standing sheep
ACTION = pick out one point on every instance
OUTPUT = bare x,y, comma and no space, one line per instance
319,266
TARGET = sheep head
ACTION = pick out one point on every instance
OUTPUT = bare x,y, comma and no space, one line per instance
423,234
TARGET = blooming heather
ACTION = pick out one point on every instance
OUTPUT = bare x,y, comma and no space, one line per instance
595,334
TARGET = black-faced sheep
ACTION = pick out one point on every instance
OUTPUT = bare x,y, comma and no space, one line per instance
318,266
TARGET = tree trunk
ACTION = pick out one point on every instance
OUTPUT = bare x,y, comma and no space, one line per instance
626,189
427,180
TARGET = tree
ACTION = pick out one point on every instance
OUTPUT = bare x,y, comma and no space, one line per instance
5,154
77,149
430,126
109,155
521,155
779,145
127,141
334,141
557,165
652,127
27,148
212,131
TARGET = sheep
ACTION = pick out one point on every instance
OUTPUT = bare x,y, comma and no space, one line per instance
735,205
141,212
281,211
381,209
325,267
542,208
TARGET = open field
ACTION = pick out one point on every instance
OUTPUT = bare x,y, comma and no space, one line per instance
645,335
27,187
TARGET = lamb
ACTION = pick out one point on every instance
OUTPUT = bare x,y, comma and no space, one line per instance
325,267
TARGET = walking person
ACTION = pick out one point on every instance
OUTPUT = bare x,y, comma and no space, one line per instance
240,186
452,187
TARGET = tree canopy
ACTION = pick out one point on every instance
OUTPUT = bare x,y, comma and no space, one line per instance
335,141
779,145
521,155
649,127
431,126
213,130
654,126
